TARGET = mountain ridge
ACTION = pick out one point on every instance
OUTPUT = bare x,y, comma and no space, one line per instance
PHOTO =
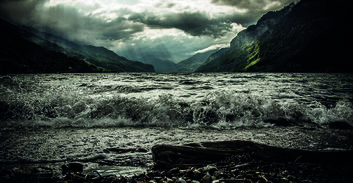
304,37
19,55
97,55
192,63
27,50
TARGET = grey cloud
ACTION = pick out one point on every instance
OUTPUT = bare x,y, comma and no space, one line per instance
254,9
165,4
200,24
178,49
118,29
67,21
239,3
170,5
251,4
193,23
21,11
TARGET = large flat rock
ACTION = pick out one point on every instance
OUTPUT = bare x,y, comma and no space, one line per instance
201,154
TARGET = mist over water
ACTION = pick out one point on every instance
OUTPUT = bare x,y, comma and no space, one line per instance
50,119
175,100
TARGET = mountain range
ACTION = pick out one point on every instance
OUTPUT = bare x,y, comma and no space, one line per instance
26,50
192,63
310,36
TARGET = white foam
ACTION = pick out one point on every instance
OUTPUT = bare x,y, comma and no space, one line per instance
67,103
218,110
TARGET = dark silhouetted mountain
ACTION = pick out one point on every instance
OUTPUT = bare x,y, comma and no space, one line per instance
99,56
26,50
20,55
310,36
107,59
192,63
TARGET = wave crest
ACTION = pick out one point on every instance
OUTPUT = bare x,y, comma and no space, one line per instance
222,109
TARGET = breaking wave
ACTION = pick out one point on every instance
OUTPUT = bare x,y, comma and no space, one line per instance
218,109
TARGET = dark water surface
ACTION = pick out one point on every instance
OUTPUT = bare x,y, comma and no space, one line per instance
111,121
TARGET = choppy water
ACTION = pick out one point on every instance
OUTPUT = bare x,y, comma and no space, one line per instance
174,100
139,110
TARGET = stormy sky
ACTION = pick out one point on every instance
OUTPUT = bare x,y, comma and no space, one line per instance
169,29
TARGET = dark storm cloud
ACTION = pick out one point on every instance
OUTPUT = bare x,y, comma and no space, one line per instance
19,10
193,23
254,9
119,29
251,4
67,21
247,4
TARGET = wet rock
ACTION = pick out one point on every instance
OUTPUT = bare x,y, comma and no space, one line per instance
200,155
181,180
228,170
174,171
196,174
209,169
72,168
206,179
169,180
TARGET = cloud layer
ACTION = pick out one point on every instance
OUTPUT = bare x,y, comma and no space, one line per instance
193,23
182,27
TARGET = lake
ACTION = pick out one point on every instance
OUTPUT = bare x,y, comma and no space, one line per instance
109,122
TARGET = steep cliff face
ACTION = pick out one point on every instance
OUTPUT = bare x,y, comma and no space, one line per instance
313,37
310,36
264,26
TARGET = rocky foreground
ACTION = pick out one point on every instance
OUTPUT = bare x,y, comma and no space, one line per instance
226,161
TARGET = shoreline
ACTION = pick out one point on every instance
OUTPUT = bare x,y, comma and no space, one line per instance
118,147
239,166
